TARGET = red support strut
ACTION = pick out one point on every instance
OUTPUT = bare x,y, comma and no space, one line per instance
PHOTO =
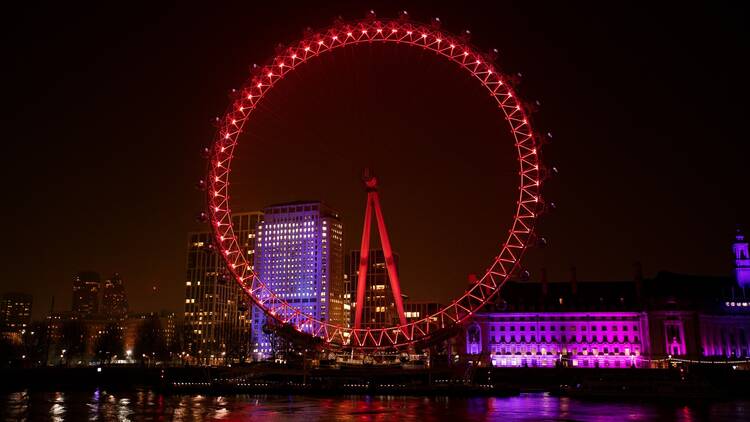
373,201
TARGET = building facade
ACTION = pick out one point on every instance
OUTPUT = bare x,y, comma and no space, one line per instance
379,308
299,255
86,288
643,322
114,300
216,317
15,313
414,310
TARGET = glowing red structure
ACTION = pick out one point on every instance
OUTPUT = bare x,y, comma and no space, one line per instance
397,32
373,201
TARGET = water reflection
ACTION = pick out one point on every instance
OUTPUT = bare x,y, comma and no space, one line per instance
100,405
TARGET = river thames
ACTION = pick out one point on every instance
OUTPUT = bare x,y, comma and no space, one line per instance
144,405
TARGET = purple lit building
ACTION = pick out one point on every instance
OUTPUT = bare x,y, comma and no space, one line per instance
299,254
637,323
742,260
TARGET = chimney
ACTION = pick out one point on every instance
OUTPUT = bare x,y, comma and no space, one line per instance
573,280
545,282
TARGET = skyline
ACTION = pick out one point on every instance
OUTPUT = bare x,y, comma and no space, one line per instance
148,227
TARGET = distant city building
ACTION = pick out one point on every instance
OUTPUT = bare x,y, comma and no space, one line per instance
55,322
416,310
114,300
216,312
15,312
131,328
299,256
86,287
379,307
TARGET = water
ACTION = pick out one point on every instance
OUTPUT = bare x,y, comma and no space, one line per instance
102,405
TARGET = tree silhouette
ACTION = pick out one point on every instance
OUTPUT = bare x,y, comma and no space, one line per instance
150,341
73,339
110,343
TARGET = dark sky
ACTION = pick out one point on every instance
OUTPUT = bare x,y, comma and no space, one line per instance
107,108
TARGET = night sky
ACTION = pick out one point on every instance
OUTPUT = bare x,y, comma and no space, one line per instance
106,109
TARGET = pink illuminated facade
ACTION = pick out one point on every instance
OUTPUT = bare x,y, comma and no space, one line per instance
585,339
641,323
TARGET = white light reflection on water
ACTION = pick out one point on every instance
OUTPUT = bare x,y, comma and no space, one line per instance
149,405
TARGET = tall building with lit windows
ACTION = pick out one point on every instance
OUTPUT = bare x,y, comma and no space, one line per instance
379,308
216,309
86,286
15,312
114,301
300,257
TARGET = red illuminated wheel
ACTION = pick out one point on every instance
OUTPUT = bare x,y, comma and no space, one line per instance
352,34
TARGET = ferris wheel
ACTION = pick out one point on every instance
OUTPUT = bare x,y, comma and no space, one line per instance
394,32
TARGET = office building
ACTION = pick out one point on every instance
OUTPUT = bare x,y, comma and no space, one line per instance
15,312
299,255
86,288
114,300
216,316
379,308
